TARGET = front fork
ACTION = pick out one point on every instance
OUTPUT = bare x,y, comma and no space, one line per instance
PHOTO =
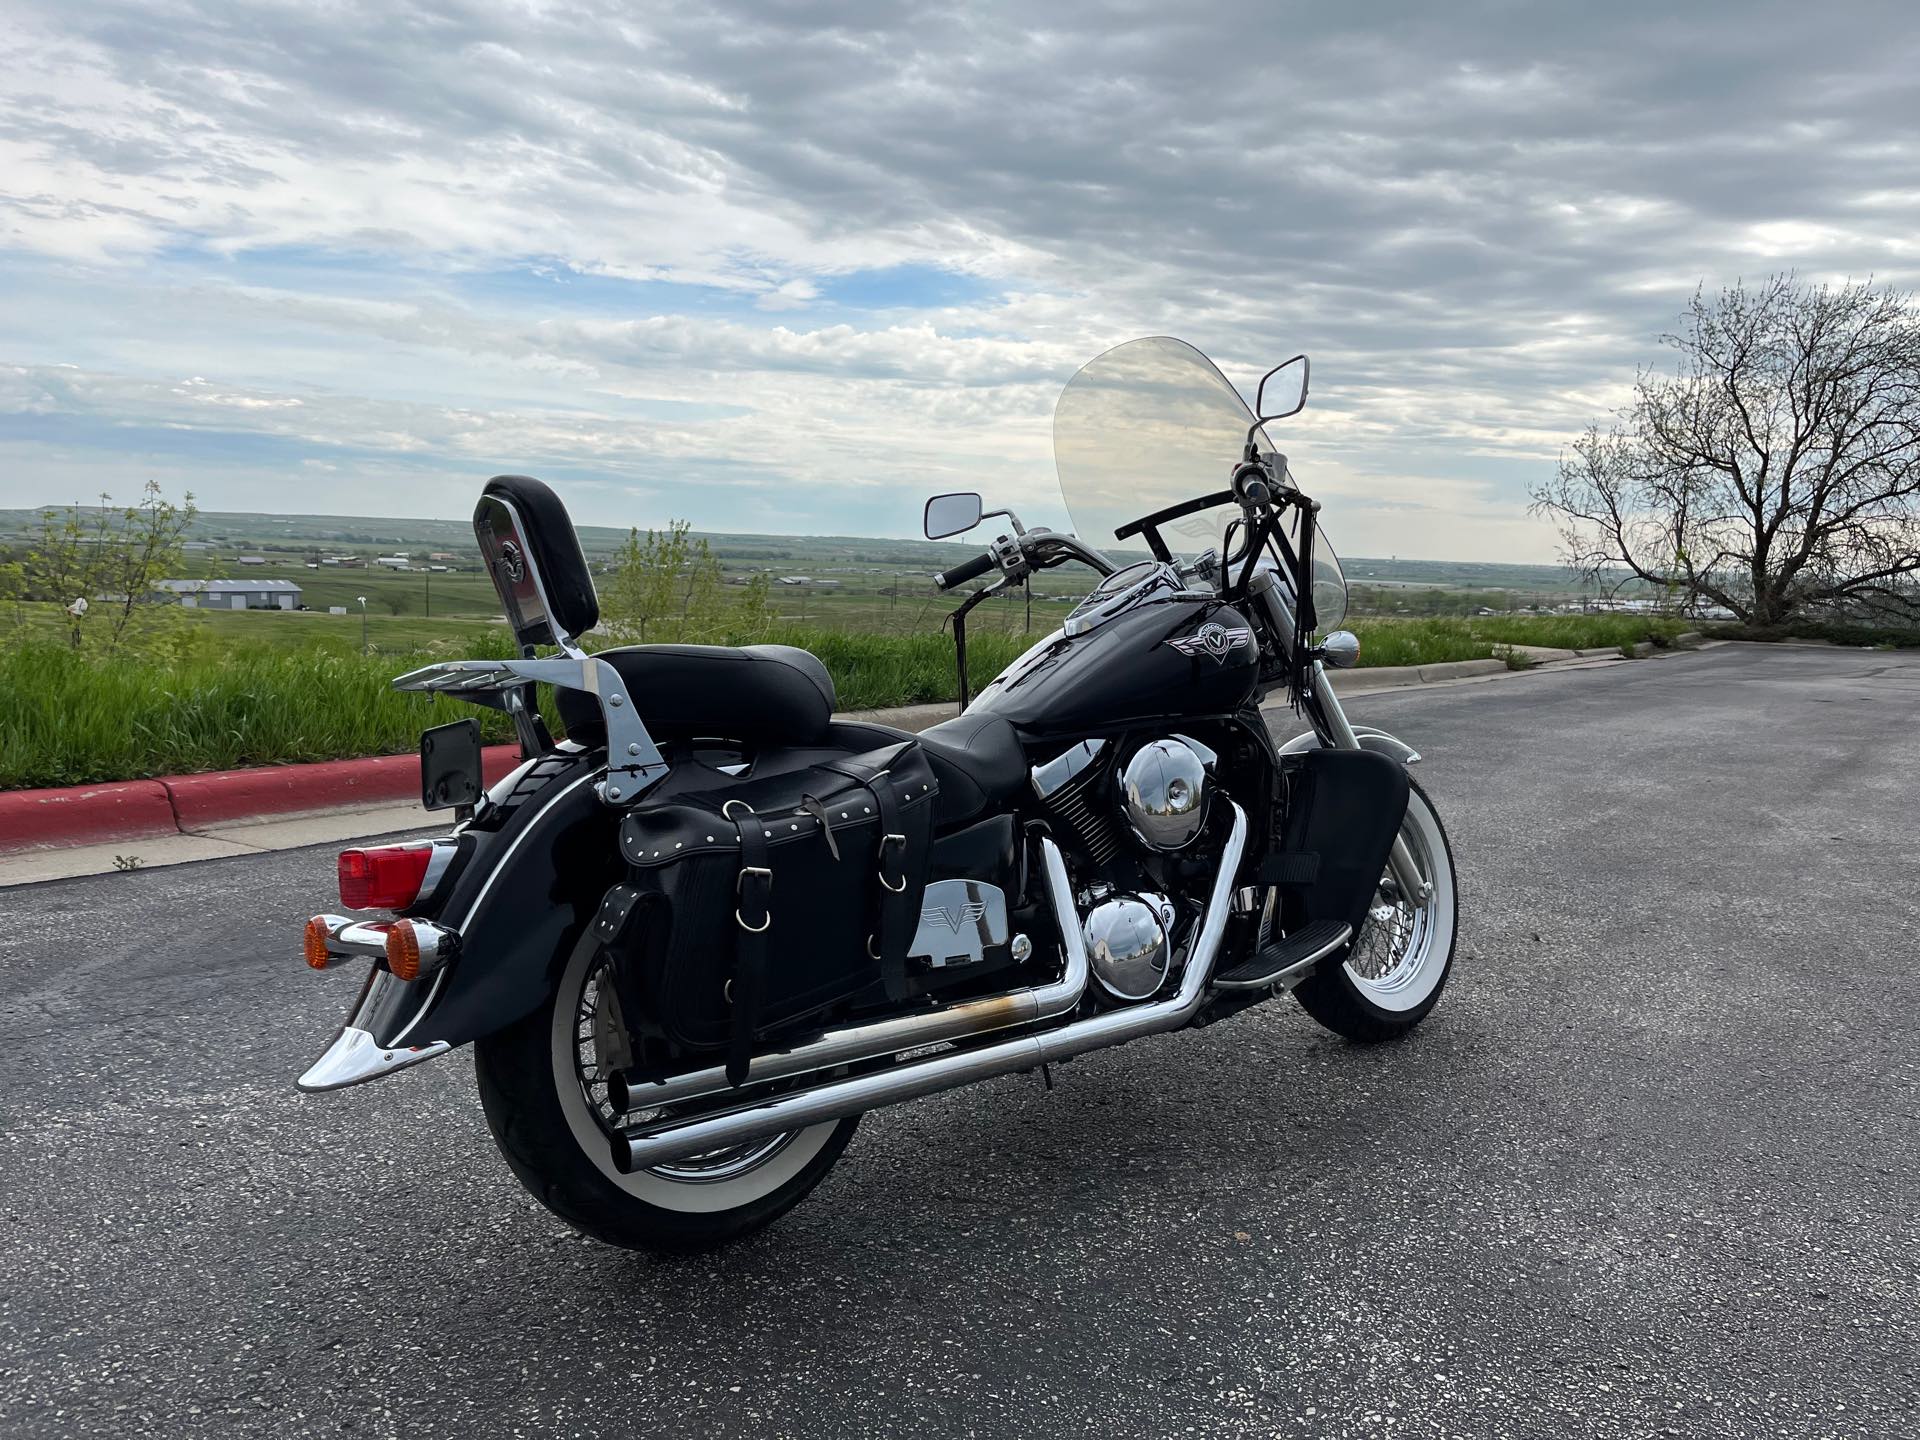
1336,732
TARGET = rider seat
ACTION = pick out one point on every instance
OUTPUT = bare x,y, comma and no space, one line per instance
778,696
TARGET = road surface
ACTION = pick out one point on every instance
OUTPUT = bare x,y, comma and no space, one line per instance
1649,1169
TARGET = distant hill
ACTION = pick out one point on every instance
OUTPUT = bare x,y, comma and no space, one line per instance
243,531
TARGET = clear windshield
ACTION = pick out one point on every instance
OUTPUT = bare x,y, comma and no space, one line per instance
1147,425
1144,426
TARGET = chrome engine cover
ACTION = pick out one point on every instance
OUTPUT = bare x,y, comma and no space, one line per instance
1163,792
1127,947
960,920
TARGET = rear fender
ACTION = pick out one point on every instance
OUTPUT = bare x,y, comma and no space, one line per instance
528,891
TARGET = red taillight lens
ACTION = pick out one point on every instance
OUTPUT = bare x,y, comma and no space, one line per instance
386,877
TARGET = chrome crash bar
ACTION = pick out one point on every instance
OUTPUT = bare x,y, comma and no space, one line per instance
643,1146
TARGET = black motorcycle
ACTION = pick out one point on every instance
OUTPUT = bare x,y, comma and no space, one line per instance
696,939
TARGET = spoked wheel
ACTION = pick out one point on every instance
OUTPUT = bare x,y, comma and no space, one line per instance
1398,965
544,1086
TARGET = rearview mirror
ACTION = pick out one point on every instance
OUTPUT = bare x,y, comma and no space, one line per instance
1283,390
950,514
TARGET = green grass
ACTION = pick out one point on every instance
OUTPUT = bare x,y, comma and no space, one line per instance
218,691
1430,642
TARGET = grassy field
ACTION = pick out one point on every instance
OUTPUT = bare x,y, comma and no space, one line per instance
217,690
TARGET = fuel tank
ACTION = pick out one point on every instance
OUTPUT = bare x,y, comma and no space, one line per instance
1176,657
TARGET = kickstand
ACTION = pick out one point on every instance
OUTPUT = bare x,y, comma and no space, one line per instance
1046,1074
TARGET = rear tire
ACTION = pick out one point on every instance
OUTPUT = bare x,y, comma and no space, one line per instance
1381,992
555,1135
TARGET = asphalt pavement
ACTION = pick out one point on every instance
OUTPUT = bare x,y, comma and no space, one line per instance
1649,1169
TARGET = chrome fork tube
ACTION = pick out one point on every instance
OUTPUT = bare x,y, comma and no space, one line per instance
639,1148
890,1037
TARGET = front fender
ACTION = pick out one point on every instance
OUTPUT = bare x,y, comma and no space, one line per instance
1369,738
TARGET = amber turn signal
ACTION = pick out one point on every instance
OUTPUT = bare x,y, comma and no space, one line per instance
403,950
314,943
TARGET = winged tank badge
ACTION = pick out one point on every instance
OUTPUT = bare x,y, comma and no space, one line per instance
954,916
1213,639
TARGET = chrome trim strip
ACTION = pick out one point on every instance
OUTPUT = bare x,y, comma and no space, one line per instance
355,1057
638,1149
486,887
890,1037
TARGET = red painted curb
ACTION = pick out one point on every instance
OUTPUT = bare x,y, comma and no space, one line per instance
138,809
221,797
84,814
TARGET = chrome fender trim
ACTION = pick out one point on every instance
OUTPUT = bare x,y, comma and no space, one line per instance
356,1054
1369,739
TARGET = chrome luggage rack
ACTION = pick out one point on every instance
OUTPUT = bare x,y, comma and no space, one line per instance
634,764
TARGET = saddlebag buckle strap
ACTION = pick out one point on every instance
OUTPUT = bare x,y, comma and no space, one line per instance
893,926
887,842
753,896
753,890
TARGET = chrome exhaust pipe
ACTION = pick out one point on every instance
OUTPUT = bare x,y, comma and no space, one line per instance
889,1037
641,1147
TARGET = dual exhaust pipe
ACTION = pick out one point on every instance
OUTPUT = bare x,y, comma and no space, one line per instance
640,1147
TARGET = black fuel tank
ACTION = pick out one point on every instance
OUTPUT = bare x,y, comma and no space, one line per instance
1159,661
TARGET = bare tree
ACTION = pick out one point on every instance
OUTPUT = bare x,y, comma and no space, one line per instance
1776,472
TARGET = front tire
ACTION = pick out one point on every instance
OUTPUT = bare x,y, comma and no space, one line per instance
1395,970
543,1089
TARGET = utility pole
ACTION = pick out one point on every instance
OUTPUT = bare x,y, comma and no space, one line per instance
429,581
363,623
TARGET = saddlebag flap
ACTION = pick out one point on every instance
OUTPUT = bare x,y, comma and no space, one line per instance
770,901
1337,816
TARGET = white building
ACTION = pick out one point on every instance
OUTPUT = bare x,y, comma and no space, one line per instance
231,594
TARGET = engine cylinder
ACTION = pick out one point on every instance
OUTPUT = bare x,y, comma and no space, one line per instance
1163,792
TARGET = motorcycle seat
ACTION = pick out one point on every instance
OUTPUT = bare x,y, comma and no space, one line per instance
976,758
779,698
755,694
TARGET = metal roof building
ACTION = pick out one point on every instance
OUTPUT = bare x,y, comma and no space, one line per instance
230,594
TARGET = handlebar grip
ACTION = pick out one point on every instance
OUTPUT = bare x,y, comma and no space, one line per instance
960,574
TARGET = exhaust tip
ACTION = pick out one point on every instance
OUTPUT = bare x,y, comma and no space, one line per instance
621,1152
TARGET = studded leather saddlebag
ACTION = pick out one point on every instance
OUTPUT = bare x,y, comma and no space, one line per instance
770,902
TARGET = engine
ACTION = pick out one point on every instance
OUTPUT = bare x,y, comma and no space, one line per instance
1126,809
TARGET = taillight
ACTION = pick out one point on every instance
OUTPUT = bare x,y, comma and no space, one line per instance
384,877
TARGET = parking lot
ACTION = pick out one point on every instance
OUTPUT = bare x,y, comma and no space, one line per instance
1648,1169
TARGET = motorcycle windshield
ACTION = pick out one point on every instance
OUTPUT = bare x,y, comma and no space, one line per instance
1147,425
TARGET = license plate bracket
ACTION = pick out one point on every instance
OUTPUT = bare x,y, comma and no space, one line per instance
450,766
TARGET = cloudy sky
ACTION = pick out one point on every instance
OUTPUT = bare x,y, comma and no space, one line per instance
791,267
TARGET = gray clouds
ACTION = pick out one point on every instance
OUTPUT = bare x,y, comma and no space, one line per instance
1475,216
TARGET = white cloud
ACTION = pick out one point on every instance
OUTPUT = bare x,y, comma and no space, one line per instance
342,218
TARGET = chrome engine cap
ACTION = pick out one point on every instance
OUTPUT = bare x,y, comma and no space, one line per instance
1127,945
1164,793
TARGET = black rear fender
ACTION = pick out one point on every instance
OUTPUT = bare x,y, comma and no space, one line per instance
519,903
